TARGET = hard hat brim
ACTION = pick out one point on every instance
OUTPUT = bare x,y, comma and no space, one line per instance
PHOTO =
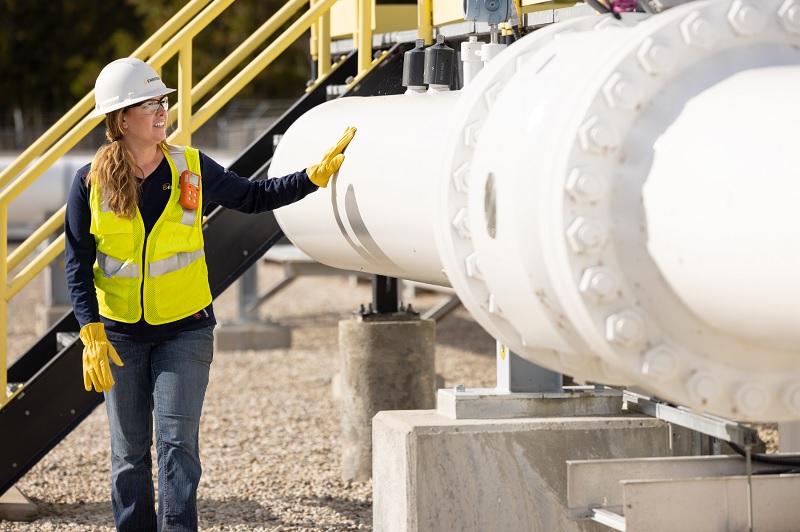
131,101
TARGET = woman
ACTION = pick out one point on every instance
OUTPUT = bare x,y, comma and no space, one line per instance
138,283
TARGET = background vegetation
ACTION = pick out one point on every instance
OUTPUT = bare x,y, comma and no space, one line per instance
51,52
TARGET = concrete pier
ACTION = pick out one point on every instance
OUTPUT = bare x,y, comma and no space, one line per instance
432,473
386,363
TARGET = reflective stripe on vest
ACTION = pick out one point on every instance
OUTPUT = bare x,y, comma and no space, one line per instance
173,263
114,268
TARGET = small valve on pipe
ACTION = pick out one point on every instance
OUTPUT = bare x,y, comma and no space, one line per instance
414,68
439,60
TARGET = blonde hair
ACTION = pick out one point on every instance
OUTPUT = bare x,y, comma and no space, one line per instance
114,170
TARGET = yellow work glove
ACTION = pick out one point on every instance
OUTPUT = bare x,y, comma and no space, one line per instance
321,173
96,352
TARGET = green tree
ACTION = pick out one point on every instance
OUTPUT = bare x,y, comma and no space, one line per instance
51,52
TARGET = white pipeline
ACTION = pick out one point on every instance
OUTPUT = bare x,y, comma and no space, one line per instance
611,199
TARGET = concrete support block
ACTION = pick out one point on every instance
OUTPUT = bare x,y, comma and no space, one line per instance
491,403
247,335
15,506
435,474
384,365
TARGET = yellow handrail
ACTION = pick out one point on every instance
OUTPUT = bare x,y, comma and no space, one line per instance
173,39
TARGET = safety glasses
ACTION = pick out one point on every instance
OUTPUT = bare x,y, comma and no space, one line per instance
151,106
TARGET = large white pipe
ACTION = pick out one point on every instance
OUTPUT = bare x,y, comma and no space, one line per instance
567,195
379,215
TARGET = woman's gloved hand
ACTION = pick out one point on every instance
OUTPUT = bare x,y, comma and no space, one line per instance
96,352
321,173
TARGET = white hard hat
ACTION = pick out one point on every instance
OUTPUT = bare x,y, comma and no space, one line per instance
125,82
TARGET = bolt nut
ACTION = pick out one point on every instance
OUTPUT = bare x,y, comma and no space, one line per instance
660,363
471,133
460,176
598,137
747,19
704,388
625,328
622,93
698,31
473,267
656,58
461,223
586,236
792,399
585,186
789,14
751,400
600,284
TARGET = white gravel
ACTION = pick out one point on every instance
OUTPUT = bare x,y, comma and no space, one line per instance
270,428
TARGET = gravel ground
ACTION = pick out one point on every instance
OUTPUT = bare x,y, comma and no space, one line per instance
270,428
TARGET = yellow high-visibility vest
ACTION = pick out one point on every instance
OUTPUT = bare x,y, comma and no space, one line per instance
172,277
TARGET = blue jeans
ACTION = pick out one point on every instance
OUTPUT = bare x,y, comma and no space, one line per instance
166,382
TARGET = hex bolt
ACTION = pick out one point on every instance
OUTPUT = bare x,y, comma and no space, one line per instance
746,18
660,363
751,400
792,399
625,328
698,31
704,388
585,186
473,267
789,14
655,58
600,284
622,93
461,223
586,236
460,176
598,137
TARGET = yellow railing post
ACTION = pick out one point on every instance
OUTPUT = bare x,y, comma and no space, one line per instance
183,132
425,21
324,45
364,39
4,397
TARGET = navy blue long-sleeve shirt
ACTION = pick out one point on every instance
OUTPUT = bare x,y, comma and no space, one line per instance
220,186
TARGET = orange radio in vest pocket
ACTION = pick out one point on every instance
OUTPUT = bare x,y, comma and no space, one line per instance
190,189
